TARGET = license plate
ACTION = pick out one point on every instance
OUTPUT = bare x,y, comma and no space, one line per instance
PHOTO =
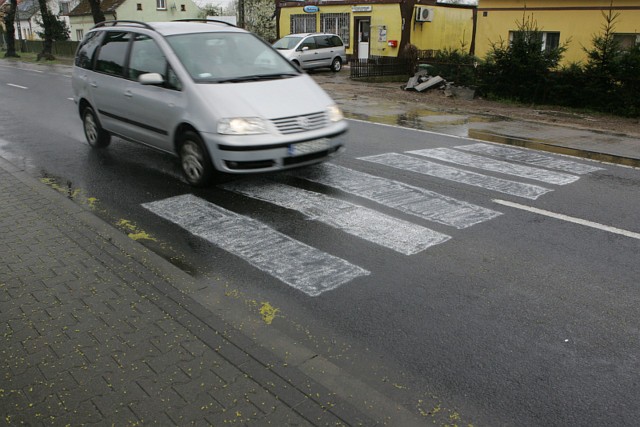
308,147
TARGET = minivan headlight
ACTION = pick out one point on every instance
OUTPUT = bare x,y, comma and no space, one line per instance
242,126
335,113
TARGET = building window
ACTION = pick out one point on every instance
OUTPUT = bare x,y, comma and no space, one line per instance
139,6
336,23
550,39
64,8
79,35
161,4
183,8
303,23
627,41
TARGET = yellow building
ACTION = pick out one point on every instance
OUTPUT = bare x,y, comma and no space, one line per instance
381,27
569,22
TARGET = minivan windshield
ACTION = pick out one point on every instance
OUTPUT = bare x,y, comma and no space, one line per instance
220,57
287,43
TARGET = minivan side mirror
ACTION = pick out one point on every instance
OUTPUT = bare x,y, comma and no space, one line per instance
304,48
151,79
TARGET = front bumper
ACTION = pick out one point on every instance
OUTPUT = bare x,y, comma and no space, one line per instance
267,153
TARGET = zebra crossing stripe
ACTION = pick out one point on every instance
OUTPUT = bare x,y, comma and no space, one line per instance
480,162
399,235
406,198
295,263
401,161
530,157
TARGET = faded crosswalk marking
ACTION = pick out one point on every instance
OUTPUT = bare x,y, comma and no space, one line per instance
295,263
480,162
529,157
401,161
406,198
376,227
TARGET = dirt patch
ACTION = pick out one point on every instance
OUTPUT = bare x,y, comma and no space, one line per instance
344,90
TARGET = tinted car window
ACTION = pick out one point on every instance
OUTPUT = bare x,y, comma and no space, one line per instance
323,41
309,42
336,41
86,50
146,57
113,52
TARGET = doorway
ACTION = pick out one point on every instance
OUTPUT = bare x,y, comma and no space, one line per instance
362,37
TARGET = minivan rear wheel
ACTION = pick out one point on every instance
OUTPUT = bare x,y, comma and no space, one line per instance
336,65
96,136
194,160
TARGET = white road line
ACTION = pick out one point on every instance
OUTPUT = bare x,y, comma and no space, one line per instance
18,86
295,263
399,235
464,159
403,162
530,157
570,219
406,198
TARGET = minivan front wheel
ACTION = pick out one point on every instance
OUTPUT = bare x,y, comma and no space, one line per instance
194,160
96,136
336,65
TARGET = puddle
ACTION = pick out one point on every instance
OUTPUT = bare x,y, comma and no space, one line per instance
421,119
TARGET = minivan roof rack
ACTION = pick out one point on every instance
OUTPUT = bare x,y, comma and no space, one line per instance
123,21
216,21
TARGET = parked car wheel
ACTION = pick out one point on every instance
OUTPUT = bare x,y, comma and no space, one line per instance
96,136
336,65
194,160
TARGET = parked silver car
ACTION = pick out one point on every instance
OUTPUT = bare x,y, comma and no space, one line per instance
215,95
313,50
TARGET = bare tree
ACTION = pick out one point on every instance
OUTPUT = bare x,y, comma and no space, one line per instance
9,20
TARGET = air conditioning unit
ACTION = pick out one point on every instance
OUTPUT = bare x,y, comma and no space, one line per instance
424,14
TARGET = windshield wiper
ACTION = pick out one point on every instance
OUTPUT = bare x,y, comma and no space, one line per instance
257,77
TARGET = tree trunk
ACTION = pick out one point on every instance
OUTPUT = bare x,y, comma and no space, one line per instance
47,22
9,20
96,11
406,13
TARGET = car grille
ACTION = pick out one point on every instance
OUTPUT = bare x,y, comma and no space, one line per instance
302,123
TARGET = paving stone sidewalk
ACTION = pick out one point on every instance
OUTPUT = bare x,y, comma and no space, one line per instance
92,334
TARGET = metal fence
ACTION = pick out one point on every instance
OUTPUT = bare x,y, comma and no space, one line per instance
379,66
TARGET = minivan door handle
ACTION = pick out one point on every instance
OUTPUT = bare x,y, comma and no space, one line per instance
93,84
128,93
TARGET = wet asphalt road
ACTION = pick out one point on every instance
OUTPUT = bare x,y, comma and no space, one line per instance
517,319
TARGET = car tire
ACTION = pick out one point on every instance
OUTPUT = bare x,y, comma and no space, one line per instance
336,65
195,161
93,132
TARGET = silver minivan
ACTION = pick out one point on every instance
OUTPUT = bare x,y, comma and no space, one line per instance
313,50
217,96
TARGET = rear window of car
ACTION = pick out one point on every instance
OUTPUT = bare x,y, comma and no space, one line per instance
336,41
324,41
